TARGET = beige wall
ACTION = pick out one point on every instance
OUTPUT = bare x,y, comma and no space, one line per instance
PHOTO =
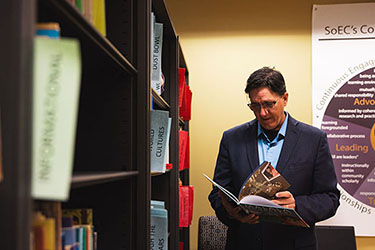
223,42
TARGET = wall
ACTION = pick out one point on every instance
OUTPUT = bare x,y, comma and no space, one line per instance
223,42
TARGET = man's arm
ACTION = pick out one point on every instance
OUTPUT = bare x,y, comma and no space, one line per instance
222,176
227,212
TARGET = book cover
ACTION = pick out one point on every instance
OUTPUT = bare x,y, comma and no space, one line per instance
159,139
187,153
159,226
78,4
186,197
98,16
47,226
38,238
57,76
69,233
166,155
181,84
152,36
185,110
51,30
255,195
156,75
183,137
52,209
265,181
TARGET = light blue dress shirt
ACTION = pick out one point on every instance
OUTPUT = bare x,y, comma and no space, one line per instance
270,150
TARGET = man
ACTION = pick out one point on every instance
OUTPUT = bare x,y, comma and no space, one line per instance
298,151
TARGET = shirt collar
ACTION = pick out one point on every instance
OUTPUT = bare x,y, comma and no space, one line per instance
282,130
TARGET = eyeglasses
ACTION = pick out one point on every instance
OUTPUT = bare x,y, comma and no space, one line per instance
254,106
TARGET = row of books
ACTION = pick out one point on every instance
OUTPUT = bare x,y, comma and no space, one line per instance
93,11
67,229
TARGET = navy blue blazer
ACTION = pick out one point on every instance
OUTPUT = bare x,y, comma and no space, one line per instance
305,161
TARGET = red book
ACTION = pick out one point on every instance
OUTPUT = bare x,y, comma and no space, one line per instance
185,205
181,84
185,110
38,240
187,153
191,201
182,145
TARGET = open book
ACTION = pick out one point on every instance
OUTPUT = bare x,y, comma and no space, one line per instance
256,194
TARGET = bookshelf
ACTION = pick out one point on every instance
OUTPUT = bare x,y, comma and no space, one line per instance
111,171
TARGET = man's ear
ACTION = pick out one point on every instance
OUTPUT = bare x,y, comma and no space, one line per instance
285,98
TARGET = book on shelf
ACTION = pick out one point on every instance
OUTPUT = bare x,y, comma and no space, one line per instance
158,226
152,31
156,61
69,235
93,11
256,194
57,76
159,141
185,110
186,199
51,210
51,30
184,149
98,16
44,232
181,85
166,154
78,4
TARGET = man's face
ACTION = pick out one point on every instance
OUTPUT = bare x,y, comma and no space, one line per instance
270,118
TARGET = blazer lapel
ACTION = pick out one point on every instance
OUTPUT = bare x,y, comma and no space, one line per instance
252,146
290,142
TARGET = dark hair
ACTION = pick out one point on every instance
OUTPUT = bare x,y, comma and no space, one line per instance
266,77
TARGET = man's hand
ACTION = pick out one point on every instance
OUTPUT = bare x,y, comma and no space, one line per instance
285,199
237,213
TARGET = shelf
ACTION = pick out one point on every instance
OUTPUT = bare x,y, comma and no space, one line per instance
162,16
87,32
161,103
88,179
159,100
160,173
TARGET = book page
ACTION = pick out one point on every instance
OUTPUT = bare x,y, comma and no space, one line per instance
258,200
226,192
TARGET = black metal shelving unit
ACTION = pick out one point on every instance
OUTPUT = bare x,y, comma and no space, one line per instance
112,153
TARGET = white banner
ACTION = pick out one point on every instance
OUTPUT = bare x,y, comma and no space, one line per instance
343,88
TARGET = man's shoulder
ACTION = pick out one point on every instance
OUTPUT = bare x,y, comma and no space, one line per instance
242,128
304,127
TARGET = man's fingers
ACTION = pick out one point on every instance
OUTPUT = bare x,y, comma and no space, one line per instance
283,194
250,219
